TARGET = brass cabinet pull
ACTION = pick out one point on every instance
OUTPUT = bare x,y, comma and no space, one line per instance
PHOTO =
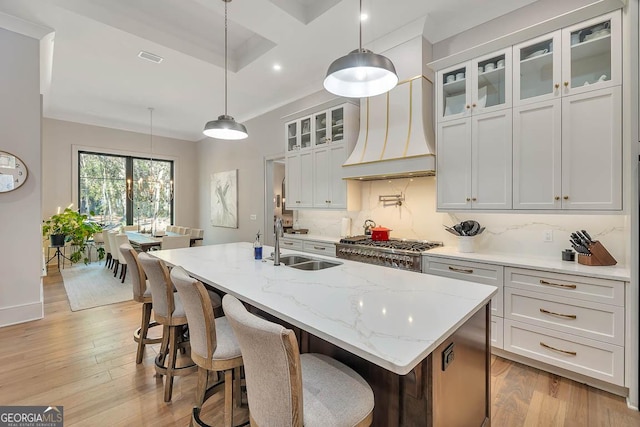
468,199
461,270
557,85
568,316
571,353
566,84
320,248
557,198
473,105
288,243
474,199
566,197
558,285
327,201
468,106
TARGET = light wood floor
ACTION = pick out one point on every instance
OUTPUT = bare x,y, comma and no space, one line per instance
85,361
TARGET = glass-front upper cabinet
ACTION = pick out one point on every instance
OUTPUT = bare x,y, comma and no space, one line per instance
592,54
305,133
337,124
537,69
292,136
320,128
329,126
475,87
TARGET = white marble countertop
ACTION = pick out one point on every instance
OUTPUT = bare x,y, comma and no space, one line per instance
314,237
614,272
390,317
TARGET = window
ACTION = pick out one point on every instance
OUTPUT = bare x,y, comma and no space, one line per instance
123,190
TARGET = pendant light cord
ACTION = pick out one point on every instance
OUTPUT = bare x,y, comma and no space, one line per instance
360,25
225,57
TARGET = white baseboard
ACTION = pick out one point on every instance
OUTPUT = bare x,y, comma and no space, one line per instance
21,313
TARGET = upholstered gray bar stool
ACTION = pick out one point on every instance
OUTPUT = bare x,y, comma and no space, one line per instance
168,310
213,347
286,388
141,294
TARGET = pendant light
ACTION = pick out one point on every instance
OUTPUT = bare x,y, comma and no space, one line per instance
225,127
361,73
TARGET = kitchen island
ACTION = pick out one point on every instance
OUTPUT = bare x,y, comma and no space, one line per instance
421,341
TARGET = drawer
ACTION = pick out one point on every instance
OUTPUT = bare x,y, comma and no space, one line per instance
587,319
488,274
496,332
321,248
588,357
290,244
566,285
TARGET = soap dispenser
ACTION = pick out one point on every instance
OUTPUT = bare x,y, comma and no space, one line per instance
257,247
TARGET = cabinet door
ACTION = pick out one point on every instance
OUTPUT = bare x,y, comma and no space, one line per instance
337,124
329,188
592,55
305,133
454,93
491,150
306,180
321,176
292,135
491,82
537,154
337,185
592,150
453,175
292,175
320,121
537,69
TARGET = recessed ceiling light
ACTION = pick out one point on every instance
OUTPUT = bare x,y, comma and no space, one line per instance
277,67
364,16
150,57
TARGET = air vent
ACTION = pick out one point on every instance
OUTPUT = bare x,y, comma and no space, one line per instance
150,57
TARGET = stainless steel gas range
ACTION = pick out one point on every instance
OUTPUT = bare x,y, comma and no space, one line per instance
396,253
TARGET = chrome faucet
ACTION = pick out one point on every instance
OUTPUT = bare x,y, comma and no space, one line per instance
279,233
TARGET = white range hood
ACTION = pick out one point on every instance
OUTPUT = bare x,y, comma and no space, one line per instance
396,134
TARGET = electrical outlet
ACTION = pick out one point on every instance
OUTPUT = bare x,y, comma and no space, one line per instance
253,217
548,235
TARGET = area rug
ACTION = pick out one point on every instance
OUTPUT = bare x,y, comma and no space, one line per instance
93,285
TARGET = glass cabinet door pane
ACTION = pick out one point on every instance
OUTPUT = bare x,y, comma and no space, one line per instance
491,90
321,129
454,91
591,54
337,124
292,136
536,69
305,135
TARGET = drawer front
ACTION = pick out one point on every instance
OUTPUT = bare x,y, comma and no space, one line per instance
587,357
578,287
290,244
592,320
320,248
488,274
496,332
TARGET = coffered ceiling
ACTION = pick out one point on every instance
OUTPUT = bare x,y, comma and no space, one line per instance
94,74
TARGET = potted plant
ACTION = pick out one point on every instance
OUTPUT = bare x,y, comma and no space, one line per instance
73,227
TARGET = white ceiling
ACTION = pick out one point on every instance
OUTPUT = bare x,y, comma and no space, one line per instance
97,78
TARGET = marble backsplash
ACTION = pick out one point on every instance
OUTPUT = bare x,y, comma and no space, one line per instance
506,233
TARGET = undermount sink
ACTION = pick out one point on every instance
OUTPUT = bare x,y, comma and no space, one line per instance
293,259
315,265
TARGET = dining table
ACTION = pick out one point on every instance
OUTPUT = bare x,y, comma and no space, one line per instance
142,242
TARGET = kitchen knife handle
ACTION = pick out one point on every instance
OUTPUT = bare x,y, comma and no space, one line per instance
568,316
461,270
571,353
558,285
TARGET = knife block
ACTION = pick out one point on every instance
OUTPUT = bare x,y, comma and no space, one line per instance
599,256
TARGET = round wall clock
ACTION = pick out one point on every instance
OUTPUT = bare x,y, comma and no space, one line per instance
13,172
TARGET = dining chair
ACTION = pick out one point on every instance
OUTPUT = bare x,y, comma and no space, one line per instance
130,228
98,241
197,233
214,347
113,249
175,242
286,388
168,310
141,294
121,239
169,228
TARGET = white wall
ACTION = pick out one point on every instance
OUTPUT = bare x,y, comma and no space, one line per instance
20,248
61,139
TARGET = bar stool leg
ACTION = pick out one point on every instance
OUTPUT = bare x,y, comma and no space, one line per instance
171,363
228,398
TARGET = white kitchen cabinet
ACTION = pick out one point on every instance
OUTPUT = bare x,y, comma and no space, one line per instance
537,71
299,180
474,162
313,171
330,190
482,85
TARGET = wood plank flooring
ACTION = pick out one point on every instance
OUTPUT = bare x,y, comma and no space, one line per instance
85,361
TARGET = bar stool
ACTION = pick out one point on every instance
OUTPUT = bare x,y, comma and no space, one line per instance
168,310
286,388
141,294
214,347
